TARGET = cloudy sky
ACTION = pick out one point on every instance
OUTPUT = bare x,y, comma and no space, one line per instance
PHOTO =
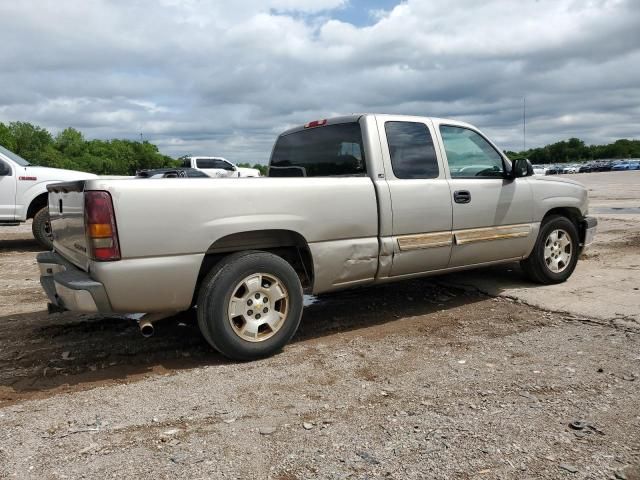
223,78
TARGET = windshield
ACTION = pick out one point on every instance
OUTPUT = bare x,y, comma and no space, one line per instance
14,156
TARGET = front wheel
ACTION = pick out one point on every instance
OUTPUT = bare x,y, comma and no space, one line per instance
555,254
250,305
41,228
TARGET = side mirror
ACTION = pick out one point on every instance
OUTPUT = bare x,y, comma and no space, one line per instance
4,169
521,168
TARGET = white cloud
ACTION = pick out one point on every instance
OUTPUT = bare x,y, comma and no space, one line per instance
225,77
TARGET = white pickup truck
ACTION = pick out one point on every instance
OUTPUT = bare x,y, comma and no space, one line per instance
23,193
350,201
218,167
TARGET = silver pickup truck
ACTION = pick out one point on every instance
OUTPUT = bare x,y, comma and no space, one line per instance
349,201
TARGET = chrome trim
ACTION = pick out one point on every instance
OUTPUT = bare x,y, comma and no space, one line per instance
424,240
472,235
462,237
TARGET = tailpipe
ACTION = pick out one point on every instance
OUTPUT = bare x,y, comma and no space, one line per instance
145,321
146,328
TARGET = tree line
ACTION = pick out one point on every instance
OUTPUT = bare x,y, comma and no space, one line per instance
69,149
575,150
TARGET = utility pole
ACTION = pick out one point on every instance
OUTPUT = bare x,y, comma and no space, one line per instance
524,124
141,137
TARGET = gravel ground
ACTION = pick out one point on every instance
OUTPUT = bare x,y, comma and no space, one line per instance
421,379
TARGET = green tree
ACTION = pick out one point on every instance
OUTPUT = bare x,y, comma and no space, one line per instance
70,142
30,141
6,137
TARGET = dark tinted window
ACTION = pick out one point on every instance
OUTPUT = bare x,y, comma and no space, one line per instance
319,152
469,154
213,163
411,149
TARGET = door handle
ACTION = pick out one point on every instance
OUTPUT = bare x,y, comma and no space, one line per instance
462,196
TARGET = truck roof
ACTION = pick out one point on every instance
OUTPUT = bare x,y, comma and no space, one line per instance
356,117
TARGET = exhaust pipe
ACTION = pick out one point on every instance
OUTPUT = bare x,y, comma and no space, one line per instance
146,327
145,321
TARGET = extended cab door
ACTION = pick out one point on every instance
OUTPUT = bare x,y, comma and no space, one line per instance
492,214
420,197
7,192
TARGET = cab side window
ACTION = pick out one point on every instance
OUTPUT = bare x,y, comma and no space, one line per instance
411,149
469,155
5,169
213,163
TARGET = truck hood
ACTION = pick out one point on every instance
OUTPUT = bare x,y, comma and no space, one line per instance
553,178
47,173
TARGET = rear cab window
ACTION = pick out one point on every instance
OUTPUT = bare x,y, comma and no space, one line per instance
324,151
411,149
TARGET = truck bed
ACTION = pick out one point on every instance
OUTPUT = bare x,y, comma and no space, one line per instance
166,226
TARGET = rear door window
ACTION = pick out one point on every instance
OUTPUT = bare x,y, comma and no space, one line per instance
411,149
320,152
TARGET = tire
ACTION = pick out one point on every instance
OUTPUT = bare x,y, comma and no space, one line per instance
250,305
41,228
548,263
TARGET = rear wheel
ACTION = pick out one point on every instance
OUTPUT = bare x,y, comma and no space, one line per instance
555,254
41,228
250,305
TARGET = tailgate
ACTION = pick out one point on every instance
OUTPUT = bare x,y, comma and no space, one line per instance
66,212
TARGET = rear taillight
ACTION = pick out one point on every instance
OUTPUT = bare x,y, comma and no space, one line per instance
100,224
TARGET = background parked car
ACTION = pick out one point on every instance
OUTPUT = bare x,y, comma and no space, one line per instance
626,166
540,169
570,169
172,173
218,167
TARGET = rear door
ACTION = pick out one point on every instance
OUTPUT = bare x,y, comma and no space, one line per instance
420,196
492,215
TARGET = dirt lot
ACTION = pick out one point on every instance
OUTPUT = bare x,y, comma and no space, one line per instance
474,375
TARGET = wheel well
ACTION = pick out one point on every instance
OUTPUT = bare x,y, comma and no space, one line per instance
571,213
37,203
289,245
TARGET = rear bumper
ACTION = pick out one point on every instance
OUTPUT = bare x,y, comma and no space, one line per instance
70,288
589,226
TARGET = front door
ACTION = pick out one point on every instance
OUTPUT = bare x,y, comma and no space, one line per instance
492,215
420,196
7,193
